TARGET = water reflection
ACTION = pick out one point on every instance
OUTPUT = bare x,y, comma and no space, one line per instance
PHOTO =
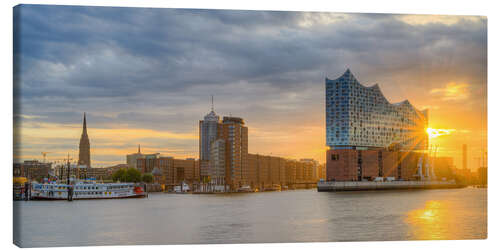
292,216
432,222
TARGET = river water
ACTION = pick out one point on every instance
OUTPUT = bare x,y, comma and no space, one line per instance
289,216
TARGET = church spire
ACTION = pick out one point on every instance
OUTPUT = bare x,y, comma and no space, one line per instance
139,149
84,124
84,148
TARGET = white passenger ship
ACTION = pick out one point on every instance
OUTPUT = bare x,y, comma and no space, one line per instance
85,190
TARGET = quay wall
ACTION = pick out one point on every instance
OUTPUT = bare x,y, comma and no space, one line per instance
333,186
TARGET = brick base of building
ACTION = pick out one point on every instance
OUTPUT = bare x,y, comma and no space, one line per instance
357,165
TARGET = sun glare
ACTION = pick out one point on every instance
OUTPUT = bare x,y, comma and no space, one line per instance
433,132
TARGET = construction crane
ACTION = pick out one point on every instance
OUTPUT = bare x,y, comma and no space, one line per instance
433,174
45,155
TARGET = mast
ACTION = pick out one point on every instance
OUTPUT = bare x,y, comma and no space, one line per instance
68,171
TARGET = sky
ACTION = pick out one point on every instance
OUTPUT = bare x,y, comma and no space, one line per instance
145,76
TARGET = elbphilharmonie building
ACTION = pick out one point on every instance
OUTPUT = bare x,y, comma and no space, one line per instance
359,117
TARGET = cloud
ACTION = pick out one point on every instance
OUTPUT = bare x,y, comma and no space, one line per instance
154,69
28,116
453,91
438,19
430,107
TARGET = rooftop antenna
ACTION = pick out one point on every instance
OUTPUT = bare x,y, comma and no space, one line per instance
212,103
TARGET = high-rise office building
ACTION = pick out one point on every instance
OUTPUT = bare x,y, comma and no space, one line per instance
361,117
84,148
209,131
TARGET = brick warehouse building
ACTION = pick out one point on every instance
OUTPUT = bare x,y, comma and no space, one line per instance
171,171
266,171
368,136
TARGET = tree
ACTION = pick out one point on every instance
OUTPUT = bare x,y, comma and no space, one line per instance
133,175
127,175
120,175
148,177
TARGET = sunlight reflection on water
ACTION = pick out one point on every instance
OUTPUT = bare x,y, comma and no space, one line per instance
291,216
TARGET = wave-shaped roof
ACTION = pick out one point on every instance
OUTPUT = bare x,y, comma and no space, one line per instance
349,77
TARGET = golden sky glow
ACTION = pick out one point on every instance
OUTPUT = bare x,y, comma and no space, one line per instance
433,133
151,85
449,129
453,91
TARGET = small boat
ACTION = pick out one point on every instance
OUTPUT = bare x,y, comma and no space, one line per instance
245,189
84,190
274,187
183,188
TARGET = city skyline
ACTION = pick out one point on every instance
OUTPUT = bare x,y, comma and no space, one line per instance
258,66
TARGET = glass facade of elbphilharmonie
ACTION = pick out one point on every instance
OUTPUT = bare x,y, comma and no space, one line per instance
361,117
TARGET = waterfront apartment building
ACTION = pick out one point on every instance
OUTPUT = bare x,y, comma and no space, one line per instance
186,170
266,171
368,136
147,162
318,170
170,171
235,135
217,162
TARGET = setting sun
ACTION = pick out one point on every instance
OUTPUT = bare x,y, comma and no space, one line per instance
433,132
